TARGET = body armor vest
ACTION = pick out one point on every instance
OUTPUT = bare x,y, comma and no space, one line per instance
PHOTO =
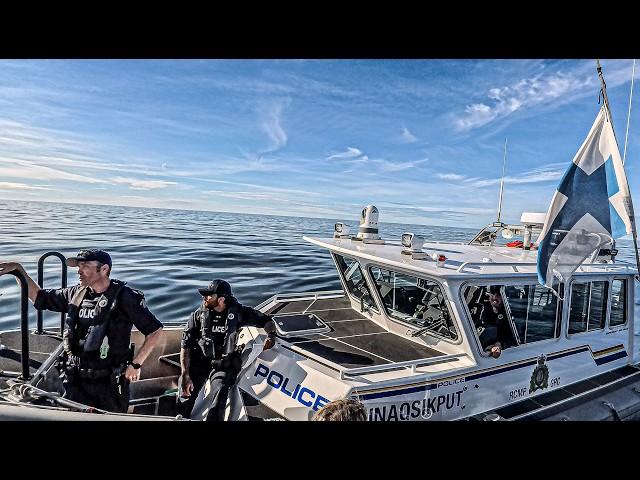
88,335
231,335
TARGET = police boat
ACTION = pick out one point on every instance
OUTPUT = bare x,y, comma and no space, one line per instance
402,337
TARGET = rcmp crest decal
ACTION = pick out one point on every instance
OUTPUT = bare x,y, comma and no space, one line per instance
540,376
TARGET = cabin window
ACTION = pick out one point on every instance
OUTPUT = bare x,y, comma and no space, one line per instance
534,311
588,310
618,303
513,314
353,277
414,300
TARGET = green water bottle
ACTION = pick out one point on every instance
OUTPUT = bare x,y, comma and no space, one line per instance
104,348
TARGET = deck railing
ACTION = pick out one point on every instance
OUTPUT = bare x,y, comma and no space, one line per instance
592,267
411,364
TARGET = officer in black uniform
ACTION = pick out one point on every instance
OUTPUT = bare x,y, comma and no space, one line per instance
209,351
97,365
493,325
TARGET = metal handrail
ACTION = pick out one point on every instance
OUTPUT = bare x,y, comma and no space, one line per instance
24,322
515,265
41,284
280,297
395,366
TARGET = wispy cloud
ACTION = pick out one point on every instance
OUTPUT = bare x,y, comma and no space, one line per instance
351,152
450,176
388,166
272,125
137,184
528,92
545,173
246,195
22,186
407,136
29,170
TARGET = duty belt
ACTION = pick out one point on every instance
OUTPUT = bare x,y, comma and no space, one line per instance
92,372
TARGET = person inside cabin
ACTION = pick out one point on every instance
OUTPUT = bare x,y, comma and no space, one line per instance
492,323
209,353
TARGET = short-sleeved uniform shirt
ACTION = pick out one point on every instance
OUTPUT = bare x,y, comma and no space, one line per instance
130,310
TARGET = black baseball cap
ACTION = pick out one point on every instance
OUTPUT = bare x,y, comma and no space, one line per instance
87,255
218,286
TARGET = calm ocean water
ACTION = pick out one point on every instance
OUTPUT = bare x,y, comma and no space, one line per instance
169,253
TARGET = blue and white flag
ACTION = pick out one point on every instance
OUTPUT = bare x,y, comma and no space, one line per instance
591,207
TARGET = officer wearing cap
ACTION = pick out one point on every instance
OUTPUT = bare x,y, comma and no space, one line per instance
97,364
209,351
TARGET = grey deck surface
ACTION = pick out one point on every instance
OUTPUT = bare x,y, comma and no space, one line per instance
354,340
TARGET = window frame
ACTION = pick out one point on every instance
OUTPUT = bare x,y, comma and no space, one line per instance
560,308
588,279
363,270
440,285
628,309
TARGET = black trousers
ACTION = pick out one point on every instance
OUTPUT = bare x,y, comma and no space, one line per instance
208,401
103,393
185,405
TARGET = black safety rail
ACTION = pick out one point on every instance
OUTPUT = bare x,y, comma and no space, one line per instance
41,284
24,322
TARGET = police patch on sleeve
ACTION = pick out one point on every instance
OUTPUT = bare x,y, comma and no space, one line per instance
231,316
140,294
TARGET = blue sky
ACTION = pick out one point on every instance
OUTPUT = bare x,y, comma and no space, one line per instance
421,139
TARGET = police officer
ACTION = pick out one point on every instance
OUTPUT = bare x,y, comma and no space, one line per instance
209,351
493,318
97,364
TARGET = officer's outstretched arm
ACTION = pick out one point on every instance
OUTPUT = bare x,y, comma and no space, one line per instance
8,267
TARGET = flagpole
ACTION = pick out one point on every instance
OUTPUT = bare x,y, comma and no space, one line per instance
603,89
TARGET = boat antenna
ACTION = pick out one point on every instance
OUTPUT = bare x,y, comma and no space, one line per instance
504,163
603,91
626,135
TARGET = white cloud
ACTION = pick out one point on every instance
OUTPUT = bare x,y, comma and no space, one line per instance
272,125
29,170
22,186
137,184
252,196
387,166
528,92
407,136
545,173
450,176
351,152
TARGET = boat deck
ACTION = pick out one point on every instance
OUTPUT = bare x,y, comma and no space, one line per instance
354,340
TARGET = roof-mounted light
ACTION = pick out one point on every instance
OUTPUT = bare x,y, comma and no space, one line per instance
413,245
340,230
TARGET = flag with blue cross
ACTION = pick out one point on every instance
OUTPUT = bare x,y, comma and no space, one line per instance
590,209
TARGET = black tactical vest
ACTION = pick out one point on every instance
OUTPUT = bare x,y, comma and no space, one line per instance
206,341
86,337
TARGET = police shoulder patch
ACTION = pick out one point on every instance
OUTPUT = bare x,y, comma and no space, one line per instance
140,296
231,316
